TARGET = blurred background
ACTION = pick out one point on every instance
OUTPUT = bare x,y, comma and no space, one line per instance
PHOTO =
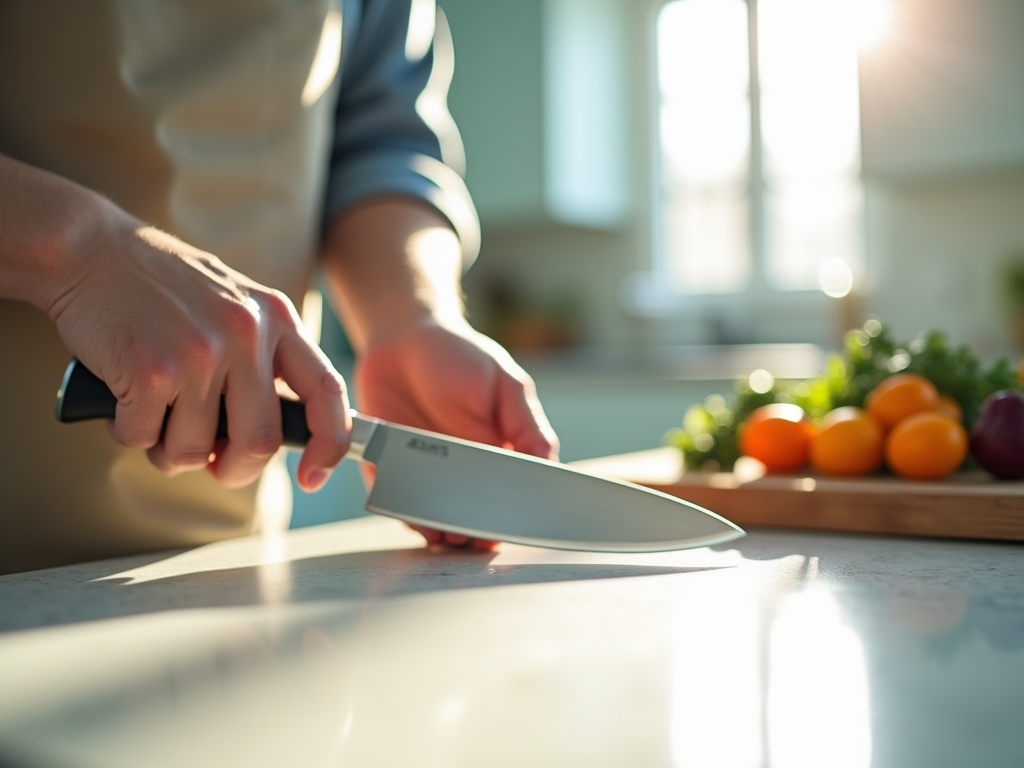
673,194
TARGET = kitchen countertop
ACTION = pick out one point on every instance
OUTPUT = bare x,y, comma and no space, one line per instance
350,644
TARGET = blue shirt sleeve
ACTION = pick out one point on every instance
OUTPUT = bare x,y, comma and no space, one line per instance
393,132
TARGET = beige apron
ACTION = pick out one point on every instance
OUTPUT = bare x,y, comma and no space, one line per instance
210,120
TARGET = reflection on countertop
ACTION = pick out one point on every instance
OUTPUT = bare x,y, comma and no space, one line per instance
349,644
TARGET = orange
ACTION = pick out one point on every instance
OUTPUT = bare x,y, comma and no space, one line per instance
900,396
849,442
950,407
926,446
779,435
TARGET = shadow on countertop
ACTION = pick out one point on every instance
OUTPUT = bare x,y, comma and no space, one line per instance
92,593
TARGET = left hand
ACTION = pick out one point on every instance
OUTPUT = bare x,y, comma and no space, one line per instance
449,378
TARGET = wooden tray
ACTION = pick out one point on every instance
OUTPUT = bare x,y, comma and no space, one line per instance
965,506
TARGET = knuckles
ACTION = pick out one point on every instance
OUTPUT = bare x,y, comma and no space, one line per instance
263,443
249,319
333,384
242,320
529,386
149,378
202,354
278,306
136,436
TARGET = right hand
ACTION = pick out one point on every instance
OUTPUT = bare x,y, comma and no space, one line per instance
168,325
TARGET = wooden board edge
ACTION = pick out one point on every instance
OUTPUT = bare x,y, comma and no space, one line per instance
906,514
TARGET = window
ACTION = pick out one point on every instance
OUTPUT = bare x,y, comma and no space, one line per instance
759,144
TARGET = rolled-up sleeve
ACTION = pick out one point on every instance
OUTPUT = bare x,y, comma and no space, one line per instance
393,132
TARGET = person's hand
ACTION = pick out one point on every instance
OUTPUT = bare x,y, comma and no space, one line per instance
453,380
167,325
395,266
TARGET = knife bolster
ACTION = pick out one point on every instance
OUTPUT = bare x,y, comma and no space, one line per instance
363,428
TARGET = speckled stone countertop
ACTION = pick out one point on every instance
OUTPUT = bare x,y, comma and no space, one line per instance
350,644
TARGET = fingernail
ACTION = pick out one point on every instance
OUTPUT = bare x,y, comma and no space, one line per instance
193,460
317,478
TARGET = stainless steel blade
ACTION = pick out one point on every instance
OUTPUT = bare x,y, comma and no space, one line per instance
488,493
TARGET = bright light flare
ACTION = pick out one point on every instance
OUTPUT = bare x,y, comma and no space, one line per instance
761,381
716,709
818,697
835,277
870,21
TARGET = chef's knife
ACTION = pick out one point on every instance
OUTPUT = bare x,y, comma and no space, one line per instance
477,490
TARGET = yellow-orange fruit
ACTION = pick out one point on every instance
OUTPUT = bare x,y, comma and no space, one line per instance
848,443
901,396
926,446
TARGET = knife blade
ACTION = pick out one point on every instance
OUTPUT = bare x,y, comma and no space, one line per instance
477,490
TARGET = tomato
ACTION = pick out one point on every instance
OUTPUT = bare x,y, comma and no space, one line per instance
778,435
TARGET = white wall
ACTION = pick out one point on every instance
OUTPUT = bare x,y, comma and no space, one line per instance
938,248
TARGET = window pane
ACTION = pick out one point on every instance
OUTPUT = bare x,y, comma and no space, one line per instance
703,74
810,136
707,232
813,223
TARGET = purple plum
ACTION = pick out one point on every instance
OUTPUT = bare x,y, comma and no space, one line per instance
997,438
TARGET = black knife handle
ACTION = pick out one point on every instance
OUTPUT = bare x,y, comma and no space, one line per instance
84,396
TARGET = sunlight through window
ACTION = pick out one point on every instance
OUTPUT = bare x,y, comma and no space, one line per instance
705,138
810,137
760,157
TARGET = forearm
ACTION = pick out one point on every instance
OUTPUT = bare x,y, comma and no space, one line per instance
43,218
392,263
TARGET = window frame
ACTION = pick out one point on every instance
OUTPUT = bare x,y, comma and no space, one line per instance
761,311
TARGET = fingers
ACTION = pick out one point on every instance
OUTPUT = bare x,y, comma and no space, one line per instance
141,406
368,473
254,427
441,538
189,433
253,416
522,420
433,537
308,372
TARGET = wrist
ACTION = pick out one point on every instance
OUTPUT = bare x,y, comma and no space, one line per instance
384,329
395,265
47,222
80,229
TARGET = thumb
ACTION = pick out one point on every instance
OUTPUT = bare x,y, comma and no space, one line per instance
521,419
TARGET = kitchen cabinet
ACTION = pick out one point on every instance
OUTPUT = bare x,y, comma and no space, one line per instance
539,94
